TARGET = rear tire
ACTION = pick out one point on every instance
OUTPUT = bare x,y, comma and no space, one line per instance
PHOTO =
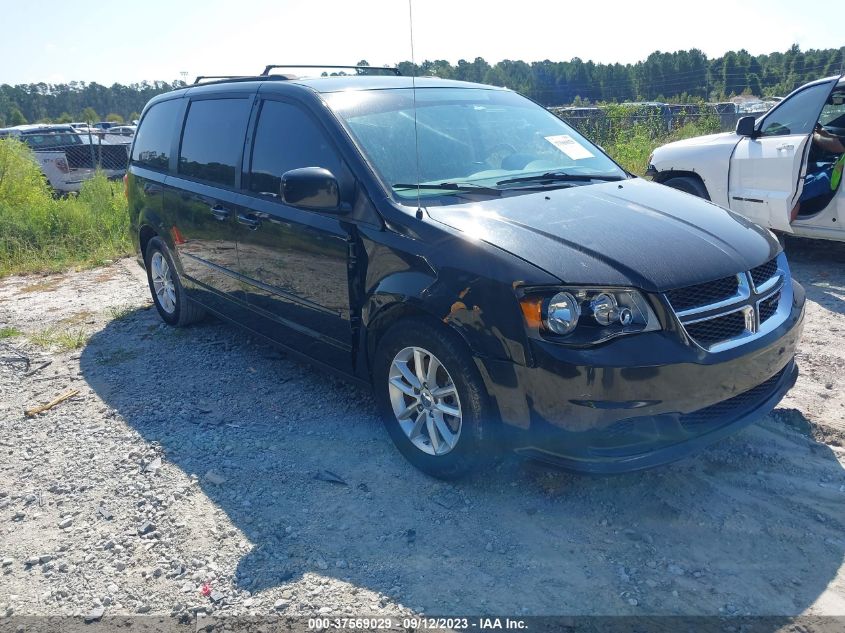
166,288
458,444
688,184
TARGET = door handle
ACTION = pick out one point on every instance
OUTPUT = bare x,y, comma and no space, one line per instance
784,147
248,220
220,212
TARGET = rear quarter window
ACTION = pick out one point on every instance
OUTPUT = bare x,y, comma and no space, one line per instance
155,135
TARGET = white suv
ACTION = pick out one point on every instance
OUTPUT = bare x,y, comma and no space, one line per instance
759,171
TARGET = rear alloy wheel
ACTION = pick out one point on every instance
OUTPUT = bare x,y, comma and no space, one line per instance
431,398
162,280
166,288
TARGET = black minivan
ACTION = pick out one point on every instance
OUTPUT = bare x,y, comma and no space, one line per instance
495,277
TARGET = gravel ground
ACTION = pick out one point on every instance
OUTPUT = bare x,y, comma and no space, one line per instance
198,471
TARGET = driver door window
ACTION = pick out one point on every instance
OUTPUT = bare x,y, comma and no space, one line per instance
796,115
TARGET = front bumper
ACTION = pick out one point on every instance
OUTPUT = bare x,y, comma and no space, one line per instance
640,401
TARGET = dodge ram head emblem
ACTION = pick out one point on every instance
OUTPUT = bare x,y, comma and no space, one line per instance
750,321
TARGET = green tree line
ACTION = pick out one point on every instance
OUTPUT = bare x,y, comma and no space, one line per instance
76,101
680,76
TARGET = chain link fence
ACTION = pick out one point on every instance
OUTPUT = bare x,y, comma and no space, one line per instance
629,132
605,124
69,156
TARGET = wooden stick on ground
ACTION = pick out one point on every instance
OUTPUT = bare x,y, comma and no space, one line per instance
57,400
37,369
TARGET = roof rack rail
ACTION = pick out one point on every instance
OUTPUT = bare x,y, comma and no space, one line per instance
224,79
394,71
204,77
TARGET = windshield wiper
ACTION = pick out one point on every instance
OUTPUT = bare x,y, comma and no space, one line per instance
452,186
559,176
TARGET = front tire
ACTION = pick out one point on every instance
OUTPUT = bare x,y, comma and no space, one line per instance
688,184
166,288
431,398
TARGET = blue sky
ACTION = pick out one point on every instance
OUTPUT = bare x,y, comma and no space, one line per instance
159,39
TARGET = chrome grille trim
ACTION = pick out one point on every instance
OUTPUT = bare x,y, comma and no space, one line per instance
769,272
747,300
743,293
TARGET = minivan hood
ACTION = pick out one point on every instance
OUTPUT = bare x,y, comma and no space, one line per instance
625,233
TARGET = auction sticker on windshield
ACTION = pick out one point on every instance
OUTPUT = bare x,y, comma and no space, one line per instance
569,146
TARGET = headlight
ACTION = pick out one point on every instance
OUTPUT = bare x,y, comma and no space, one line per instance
562,313
585,316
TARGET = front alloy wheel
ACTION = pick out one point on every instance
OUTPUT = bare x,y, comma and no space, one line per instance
425,401
431,398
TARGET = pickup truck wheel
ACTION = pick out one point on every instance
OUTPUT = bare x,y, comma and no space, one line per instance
688,184
166,288
431,398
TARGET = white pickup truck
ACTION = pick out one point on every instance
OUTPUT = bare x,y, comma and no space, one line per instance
69,158
760,169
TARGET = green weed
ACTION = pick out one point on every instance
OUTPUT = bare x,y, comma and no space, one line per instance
62,340
41,233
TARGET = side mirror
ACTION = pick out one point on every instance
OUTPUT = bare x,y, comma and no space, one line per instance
312,188
746,126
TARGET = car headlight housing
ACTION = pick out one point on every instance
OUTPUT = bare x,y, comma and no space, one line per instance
586,316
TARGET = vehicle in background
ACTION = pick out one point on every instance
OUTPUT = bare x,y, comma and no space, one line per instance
69,158
494,276
121,131
105,125
759,169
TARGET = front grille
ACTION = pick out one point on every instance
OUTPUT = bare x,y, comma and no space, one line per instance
734,406
719,329
762,274
722,314
703,294
768,307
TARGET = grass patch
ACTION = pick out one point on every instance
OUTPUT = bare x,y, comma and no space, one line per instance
62,340
118,313
9,332
40,233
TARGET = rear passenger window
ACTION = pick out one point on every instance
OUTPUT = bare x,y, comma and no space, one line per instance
213,139
154,136
287,138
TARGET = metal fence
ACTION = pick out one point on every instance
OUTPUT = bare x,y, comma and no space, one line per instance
605,123
69,156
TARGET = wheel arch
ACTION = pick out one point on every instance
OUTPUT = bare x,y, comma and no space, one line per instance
662,176
391,313
145,234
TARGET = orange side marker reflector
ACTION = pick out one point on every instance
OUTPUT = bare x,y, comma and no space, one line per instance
532,310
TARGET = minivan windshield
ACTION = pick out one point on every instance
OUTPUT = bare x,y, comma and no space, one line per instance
471,140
